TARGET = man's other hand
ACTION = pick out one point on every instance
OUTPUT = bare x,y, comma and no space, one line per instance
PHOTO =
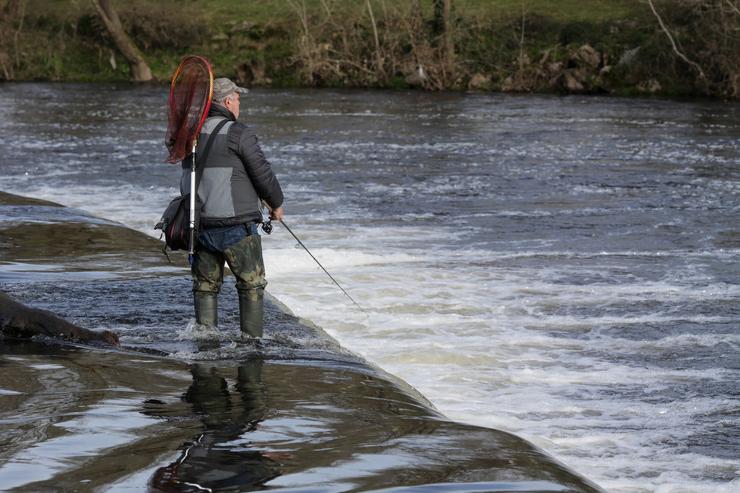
277,214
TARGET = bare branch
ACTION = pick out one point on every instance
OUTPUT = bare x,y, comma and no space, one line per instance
733,6
673,42
342,61
300,10
327,9
378,54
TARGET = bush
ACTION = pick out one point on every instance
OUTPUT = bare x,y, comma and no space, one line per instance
705,31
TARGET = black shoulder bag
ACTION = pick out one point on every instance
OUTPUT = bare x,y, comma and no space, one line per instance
175,221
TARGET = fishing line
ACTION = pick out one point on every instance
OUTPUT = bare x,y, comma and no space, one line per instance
319,264
322,267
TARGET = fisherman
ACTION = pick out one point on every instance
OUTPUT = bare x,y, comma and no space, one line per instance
236,178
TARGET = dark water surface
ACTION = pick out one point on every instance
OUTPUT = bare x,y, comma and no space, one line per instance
562,268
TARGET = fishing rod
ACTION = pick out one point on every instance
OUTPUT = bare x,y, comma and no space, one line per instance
267,227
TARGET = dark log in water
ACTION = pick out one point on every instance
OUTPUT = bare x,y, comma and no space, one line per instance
18,320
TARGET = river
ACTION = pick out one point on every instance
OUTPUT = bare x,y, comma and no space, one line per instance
563,268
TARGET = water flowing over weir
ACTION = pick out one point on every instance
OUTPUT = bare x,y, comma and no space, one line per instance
294,413
562,268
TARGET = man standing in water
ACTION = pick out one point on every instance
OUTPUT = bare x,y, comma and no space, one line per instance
236,177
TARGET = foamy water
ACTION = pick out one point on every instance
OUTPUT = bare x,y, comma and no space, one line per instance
565,269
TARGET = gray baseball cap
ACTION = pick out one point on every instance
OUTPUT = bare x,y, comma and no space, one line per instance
223,86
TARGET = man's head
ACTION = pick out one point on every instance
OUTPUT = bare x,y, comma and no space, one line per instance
226,93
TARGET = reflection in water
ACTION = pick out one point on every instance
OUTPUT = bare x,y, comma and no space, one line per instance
329,427
207,463
80,420
71,420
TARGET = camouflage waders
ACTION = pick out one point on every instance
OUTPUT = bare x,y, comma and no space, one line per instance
245,261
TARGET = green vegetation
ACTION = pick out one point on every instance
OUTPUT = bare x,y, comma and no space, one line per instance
612,46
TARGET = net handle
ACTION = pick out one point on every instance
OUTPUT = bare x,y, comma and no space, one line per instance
202,60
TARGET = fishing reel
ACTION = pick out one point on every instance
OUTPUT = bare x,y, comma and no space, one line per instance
266,222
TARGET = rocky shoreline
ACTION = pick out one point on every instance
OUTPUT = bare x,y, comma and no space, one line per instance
584,70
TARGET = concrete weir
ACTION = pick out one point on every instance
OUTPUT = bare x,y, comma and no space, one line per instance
173,410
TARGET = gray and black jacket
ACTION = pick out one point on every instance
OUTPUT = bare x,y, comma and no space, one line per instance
236,174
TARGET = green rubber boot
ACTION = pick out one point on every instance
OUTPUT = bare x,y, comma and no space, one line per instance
251,312
206,308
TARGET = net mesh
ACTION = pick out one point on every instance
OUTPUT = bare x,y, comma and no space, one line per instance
190,98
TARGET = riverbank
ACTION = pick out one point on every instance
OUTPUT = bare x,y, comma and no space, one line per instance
615,47
298,411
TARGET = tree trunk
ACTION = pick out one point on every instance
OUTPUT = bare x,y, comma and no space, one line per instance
443,26
140,71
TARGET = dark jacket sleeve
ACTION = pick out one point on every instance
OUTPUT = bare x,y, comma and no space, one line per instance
244,142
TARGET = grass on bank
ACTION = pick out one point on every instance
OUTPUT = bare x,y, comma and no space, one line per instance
562,10
220,12
65,40
265,32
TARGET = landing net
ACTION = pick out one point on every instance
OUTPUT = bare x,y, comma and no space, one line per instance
190,99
